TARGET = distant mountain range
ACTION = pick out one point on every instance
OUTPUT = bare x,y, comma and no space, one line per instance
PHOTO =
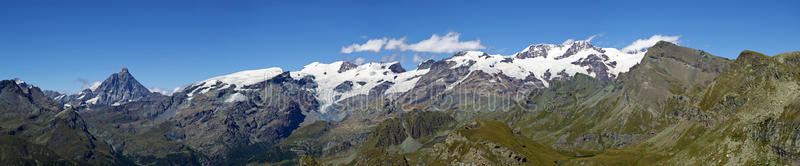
550,104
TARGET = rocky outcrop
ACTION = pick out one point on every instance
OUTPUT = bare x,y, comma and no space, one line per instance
490,143
344,87
346,66
390,132
425,123
426,65
397,68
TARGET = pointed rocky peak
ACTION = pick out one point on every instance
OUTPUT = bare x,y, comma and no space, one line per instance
119,87
579,46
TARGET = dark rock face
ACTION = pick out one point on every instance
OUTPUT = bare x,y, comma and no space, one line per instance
596,66
425,123
425,65
378,91
346,66
775,132
390,132
120,87
397,68
344,87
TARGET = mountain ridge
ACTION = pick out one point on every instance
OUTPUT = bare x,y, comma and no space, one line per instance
592,111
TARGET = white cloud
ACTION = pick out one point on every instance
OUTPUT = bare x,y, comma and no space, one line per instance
165,92
592,37
392,58
569,41
85,84
395,44
419,59
448,43
642,44
359,61
178,89
373,45
92,86
157,90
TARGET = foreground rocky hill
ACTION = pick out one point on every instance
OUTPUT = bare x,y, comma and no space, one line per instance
34,130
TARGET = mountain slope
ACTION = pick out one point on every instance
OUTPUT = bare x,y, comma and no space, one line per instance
584,119
753,106
36,130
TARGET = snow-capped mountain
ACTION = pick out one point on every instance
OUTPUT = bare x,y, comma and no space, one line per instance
116,89
342,80
342,86
549,61
238,80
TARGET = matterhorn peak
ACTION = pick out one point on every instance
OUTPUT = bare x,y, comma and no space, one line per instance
119,87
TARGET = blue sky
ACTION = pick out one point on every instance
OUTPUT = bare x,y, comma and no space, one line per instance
54,44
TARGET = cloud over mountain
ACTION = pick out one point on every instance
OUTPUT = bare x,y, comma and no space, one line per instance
85,84
448,43
641,44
